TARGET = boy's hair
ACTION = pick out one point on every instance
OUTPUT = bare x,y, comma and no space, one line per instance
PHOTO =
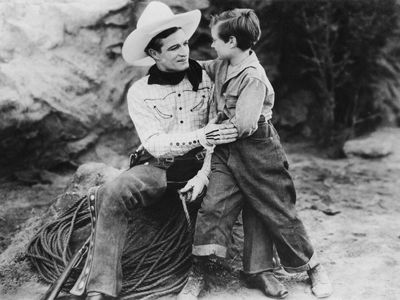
241,23
156,42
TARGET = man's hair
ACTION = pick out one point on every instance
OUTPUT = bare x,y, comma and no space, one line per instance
156,42
241,23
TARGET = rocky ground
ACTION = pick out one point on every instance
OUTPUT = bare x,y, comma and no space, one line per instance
350,207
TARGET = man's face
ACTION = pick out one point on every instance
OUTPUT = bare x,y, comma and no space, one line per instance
223,49
174,53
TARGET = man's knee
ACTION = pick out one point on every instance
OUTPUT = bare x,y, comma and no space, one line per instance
113,193
133,187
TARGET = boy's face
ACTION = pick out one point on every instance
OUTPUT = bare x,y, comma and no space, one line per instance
174,53
223,49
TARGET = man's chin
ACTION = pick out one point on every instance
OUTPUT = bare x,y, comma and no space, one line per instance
183,66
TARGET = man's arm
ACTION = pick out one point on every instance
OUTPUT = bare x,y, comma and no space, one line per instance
161,144
209,67
249,106
195,186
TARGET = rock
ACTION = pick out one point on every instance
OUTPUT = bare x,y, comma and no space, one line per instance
15,269
63,81
375,145
19,281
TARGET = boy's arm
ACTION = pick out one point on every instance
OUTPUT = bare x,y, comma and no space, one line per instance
249,106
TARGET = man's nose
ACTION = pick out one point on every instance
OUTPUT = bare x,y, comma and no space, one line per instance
184,51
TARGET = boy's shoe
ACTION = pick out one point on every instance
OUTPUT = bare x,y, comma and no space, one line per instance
193,286
268,284
320,283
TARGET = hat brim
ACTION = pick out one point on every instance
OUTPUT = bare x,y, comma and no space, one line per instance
134,45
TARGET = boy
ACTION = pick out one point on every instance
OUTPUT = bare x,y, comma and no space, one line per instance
250,173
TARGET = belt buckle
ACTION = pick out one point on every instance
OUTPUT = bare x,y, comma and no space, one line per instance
169,159
200,155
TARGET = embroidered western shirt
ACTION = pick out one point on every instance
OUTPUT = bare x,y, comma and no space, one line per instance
169,119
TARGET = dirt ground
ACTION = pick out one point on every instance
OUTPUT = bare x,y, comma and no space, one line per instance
351,208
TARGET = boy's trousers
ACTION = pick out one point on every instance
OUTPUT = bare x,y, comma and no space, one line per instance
252,174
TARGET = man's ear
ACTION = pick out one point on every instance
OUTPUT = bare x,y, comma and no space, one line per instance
232,41
153,53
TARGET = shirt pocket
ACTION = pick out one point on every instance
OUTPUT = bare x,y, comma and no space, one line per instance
231,100
201,100
161,107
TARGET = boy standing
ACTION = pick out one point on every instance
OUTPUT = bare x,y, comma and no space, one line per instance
250,174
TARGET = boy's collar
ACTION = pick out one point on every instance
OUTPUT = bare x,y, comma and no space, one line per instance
250,61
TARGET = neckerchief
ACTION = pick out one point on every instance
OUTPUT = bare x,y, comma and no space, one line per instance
194,75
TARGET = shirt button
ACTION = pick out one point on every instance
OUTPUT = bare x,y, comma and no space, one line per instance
194,142
180,108
179,95
177,144
181,122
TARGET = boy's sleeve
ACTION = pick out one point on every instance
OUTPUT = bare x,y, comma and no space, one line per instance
209,67
249,106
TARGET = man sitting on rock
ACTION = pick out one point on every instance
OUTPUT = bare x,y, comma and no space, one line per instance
170,108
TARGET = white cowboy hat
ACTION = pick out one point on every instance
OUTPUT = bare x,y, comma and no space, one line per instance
155,18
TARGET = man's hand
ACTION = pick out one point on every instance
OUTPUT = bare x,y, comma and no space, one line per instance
217,134
192,189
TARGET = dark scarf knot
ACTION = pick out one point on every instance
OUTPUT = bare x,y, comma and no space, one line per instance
193,73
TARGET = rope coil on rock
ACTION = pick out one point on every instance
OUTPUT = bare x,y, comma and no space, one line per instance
154,268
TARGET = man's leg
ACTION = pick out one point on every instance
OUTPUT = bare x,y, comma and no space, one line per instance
215,219
258,255
139,186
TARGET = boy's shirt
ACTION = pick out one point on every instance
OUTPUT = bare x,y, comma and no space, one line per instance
243,94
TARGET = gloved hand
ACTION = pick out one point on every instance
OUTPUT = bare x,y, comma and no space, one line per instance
193,187
217,134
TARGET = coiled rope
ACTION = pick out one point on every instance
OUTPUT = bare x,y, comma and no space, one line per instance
153,268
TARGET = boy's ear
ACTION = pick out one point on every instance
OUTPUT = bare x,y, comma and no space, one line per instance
232,41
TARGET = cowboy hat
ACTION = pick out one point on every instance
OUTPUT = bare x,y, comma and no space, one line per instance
155,18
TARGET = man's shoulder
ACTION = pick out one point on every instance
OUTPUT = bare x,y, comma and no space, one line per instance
138,87
206,80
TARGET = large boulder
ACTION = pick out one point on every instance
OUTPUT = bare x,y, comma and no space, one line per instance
63,81
376,145
17,278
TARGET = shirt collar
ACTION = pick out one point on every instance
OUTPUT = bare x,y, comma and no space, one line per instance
250,61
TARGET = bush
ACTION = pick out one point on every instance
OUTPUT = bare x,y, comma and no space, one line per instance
337,48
